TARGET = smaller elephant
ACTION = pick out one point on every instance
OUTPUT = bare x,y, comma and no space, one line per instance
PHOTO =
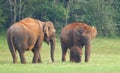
77,34
75,54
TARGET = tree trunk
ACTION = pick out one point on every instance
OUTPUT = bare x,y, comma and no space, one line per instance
15,11
68,9
11,11
20,10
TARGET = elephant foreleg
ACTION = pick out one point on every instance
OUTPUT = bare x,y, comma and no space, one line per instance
39,59
64,51
87,52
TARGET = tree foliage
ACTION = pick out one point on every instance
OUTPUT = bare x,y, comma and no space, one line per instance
103,14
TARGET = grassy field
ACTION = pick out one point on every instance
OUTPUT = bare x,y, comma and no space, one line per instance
105,58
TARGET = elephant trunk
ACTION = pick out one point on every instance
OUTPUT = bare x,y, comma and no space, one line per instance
52,45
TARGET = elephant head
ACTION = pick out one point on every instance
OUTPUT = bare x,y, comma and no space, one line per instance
75,54
49,36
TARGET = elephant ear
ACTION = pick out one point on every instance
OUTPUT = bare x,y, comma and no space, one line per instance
46,30
51,27
94,32
50,30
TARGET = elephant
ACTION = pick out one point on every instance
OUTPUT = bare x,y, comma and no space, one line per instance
75,54
28,34
77,34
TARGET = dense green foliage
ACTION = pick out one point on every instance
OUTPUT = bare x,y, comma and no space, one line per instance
103,14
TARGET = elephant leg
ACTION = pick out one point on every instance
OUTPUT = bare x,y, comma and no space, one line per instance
36,57
39,59
87,52
64,51
22,57
36,52
14,57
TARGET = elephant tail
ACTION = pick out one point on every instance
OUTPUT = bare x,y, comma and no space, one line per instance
10,42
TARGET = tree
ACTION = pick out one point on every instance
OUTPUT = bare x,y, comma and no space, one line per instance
3,17
116,18
97,13
16,8
103,14
46,10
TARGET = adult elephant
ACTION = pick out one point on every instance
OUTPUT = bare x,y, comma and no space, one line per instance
28,34
77,34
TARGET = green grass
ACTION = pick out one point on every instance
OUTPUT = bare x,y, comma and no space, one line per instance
105,58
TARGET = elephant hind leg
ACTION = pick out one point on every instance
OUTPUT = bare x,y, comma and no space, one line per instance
22,57
36,57
36,52
21,47
13,53
14,57
87,52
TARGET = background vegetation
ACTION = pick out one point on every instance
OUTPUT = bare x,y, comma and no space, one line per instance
103,14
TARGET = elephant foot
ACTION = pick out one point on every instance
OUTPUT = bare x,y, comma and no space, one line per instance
52,60
23,62
39,61
63,60
15,61
36,61
86,60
